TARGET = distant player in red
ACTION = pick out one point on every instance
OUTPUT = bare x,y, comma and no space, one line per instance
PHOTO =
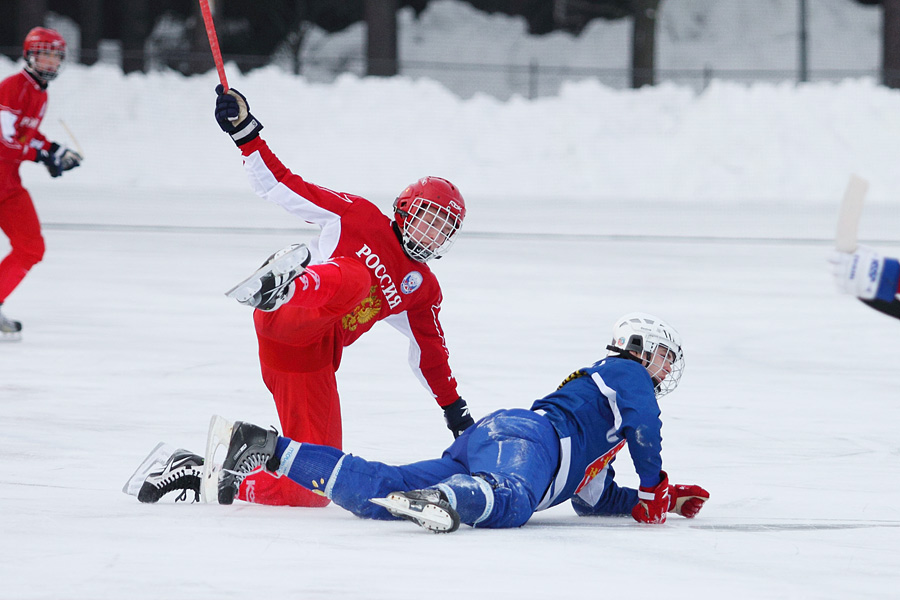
23,102
312,302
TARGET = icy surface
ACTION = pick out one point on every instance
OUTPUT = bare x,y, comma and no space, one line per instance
714,211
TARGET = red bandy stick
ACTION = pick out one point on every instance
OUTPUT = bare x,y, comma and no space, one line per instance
213,42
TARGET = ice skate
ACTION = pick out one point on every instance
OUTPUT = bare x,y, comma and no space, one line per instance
249,448
272,284
428,508
10,331
154,462
180,472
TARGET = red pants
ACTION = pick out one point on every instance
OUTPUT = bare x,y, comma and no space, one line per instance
300,348
19,222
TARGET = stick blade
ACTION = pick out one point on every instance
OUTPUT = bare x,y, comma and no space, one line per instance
848,218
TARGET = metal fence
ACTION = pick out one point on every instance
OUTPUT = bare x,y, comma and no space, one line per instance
503,81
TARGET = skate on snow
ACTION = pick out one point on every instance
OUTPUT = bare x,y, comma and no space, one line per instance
273,283
10,331
427,508
165,470
233,451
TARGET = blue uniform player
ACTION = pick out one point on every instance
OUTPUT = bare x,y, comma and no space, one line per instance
500,471
512,462
869,276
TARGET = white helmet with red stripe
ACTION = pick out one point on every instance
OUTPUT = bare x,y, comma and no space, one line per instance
44,50
428,214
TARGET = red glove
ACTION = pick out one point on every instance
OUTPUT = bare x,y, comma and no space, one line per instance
687,500
653,502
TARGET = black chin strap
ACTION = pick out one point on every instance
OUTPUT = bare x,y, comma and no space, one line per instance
622,353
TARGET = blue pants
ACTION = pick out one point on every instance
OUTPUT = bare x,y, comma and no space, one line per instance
495,473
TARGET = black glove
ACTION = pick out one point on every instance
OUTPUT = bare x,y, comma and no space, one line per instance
58,159
458,417
233,116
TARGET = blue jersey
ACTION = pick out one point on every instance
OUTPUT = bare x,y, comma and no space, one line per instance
595,413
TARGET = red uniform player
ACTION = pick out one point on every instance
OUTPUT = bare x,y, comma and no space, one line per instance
23,102
312,302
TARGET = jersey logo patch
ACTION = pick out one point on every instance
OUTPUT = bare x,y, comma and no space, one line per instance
364,312
599,465
411,282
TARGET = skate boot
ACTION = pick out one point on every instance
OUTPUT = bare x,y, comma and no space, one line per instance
250,448
427,508
273,283
181,472
10,330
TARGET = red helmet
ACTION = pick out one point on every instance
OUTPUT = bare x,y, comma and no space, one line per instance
46,42
429,213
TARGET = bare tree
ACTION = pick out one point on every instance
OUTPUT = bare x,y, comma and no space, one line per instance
135,15
890,51
643,43
201,59
31,13
381,44
91,22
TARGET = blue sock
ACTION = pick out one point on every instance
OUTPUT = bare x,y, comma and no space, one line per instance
472,497
310,465
280,446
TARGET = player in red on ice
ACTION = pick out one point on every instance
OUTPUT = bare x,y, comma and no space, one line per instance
23,102
313,301
869,276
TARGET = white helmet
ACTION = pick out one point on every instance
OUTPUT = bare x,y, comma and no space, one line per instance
643,335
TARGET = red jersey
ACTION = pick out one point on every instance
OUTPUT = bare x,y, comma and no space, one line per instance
404,293
23,102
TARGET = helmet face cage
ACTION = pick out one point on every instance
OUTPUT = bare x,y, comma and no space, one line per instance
428,214
429,230
657,344
40,43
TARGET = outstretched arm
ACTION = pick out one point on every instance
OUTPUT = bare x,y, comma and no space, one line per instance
869,276
429,361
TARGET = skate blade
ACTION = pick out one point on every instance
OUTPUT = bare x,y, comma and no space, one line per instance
431,517
157,458
11,336
217,442
290,261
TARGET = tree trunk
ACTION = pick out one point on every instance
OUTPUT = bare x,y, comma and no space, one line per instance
91,27
890,45
135,28
31,13
381,43
643,43
201,53
803,42
298,33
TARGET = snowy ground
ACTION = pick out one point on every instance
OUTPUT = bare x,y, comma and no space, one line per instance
787,414
713,210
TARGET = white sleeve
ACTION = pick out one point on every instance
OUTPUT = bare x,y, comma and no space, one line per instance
8,125
400,322
265,185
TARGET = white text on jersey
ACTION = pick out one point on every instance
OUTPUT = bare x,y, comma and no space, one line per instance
384,280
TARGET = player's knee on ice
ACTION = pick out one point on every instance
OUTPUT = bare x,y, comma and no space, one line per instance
489,500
